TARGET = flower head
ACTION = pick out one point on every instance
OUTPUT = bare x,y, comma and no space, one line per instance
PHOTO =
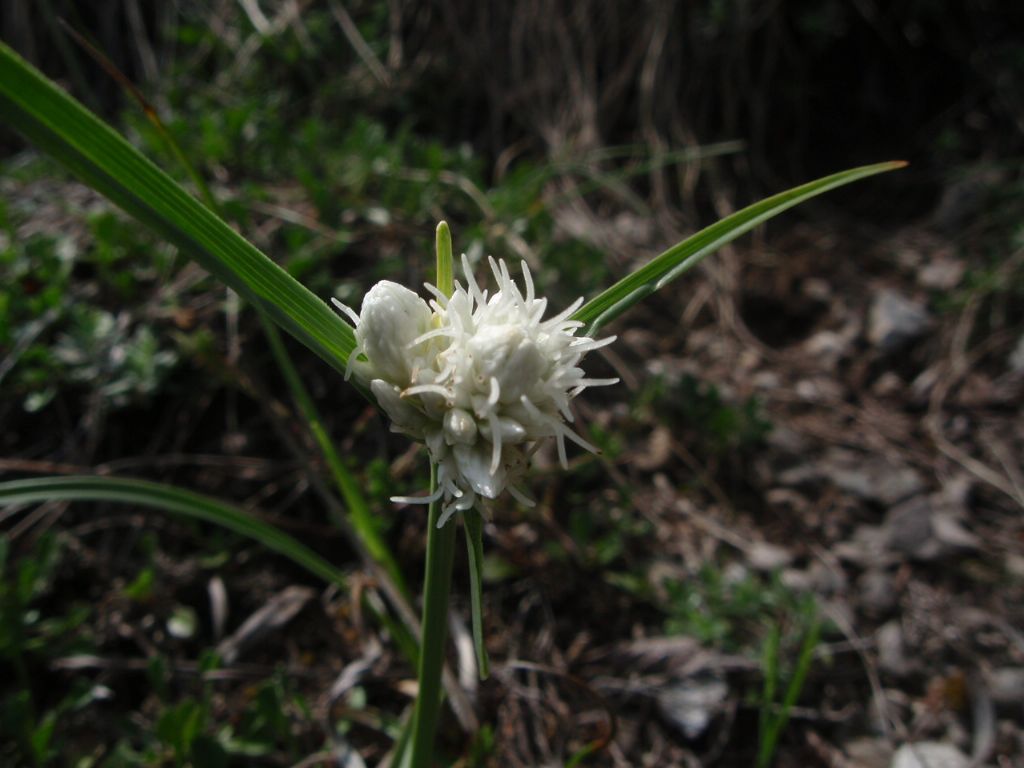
479,378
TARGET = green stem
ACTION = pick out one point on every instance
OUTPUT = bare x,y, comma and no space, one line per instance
437,584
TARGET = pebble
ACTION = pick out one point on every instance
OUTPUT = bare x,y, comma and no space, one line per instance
929,754
894,320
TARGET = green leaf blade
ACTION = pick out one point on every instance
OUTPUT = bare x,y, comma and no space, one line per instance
685,255
167,498
474,527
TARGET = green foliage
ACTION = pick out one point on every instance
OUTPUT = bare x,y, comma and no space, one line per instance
181,725
603,537
188,730
775,715
168,498
732,612
124,364
29,638
69,310
698,409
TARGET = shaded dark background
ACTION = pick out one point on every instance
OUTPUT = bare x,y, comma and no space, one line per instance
809,87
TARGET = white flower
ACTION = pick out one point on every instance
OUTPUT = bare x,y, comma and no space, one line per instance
480,379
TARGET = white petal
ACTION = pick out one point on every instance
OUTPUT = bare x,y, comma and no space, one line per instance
401,412
475,468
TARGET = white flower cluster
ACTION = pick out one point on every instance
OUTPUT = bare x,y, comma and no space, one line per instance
480,379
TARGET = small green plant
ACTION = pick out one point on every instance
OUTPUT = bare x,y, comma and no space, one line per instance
731,612
774,715
711,422
745,614
28,639
55,320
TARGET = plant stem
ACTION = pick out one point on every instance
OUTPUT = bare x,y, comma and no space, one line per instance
437,584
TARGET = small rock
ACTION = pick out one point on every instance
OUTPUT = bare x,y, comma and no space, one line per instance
956,490
826,347
766,380
892,652
909,529
868,753
893,320
888,384
877,592
948,531
1016,359
657,451
867,547
797,579
1006,685
763,556
929,754
826,579
817,288
941,273
819,389
690,705
927,527
873,478
786,440
1014,565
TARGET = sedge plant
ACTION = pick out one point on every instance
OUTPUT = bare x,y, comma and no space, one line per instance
481,378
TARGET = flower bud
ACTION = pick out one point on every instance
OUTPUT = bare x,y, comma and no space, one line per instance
392,318
459,427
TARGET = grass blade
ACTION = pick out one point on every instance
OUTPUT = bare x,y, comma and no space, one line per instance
168,498
475,549
685,255
101,158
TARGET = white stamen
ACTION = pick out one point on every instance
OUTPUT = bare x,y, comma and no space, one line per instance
347,310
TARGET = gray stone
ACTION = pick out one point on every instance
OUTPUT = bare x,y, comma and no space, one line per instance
690,705
1006,685
1016,359
941,273
894,319
909,530
871,477
929,754
878,481
877,591
866,752
892,651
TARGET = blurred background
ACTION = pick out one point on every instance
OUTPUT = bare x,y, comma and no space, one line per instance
807,514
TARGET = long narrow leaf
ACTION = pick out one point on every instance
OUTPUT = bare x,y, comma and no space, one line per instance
101,158
685,255
168,498
474,526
